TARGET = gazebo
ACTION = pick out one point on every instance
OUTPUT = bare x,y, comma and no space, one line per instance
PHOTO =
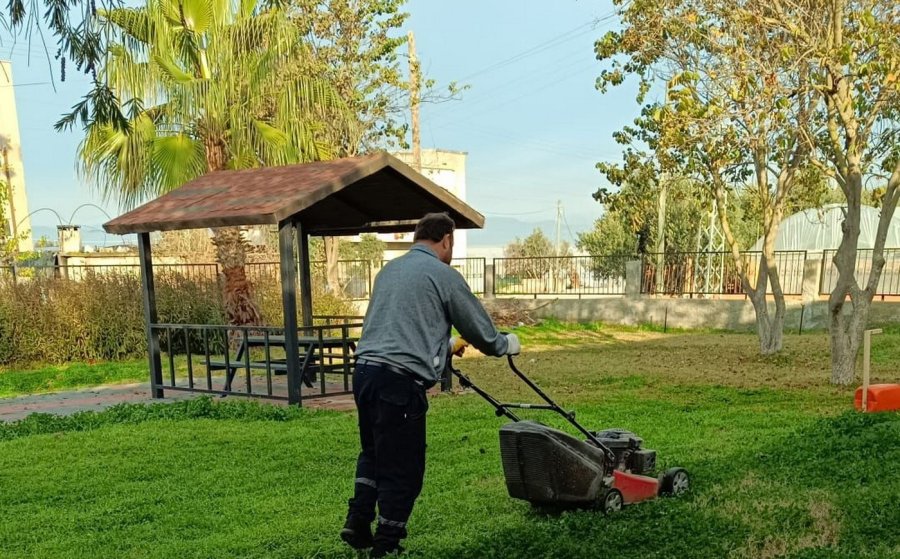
372,193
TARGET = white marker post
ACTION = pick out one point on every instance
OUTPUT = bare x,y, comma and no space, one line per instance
867,356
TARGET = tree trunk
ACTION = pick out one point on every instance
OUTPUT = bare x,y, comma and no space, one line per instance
231,254
774,341
769,328
332,275
846,332
846,339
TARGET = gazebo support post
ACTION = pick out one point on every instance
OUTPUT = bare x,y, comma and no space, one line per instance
148,294
305,276
289,302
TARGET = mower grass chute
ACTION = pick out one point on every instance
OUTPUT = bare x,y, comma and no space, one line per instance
551,468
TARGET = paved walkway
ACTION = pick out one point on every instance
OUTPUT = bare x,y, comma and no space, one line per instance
102,397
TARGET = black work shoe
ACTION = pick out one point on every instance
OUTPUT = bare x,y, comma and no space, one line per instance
357,533
384,549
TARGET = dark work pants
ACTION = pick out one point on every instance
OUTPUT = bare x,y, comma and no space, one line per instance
391,466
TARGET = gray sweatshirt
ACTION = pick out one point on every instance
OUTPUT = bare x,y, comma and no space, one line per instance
415,300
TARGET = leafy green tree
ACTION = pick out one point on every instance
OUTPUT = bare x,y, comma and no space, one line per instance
354,46
369,249
9,242
530,255
734,111
611,235
206,86
852,51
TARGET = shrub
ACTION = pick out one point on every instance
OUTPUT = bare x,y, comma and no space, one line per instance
100,316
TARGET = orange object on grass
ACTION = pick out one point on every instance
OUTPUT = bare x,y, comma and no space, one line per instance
881,397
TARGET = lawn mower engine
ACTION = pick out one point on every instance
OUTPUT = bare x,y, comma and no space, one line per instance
630,456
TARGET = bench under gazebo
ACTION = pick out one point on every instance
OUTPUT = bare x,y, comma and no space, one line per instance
374,193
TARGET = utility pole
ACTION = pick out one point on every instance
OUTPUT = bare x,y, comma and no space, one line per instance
661,223
558,218
414,79
661,233
557,263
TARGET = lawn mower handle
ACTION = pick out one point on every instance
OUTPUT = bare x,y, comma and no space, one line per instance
502,409
569,415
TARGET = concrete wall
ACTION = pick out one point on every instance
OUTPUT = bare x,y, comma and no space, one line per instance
11,159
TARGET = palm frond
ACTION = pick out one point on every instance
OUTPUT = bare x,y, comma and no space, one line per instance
196,15
178,158
172,71
192,73
133,22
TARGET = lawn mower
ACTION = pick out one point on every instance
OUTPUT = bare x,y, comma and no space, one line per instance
550,468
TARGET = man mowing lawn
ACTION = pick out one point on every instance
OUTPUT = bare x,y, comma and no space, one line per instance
402,352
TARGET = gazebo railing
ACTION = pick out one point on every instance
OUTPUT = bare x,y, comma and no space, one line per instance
252,361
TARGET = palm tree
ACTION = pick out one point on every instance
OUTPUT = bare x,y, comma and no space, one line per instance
203,85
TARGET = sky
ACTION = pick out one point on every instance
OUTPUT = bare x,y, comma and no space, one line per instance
531,121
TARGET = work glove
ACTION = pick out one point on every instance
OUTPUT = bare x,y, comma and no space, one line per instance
513,346
458,346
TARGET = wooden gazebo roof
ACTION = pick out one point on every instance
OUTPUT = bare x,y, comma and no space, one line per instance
370,193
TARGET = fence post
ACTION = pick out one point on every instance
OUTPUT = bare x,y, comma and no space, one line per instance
488,280
812,279
633,278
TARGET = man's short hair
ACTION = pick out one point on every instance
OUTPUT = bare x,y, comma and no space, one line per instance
433,227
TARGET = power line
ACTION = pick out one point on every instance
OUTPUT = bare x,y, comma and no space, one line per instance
574,151
24,84
593,26
569,229
530,92
553,42
480,97
556,68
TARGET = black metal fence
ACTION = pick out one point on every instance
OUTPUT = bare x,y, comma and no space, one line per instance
888,284
355,277
251,361
715,273
561,275
694,273
472,269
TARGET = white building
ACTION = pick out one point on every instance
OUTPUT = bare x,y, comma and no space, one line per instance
447,169
12,172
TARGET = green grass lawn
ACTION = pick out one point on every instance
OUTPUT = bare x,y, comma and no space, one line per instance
781,465
54,378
